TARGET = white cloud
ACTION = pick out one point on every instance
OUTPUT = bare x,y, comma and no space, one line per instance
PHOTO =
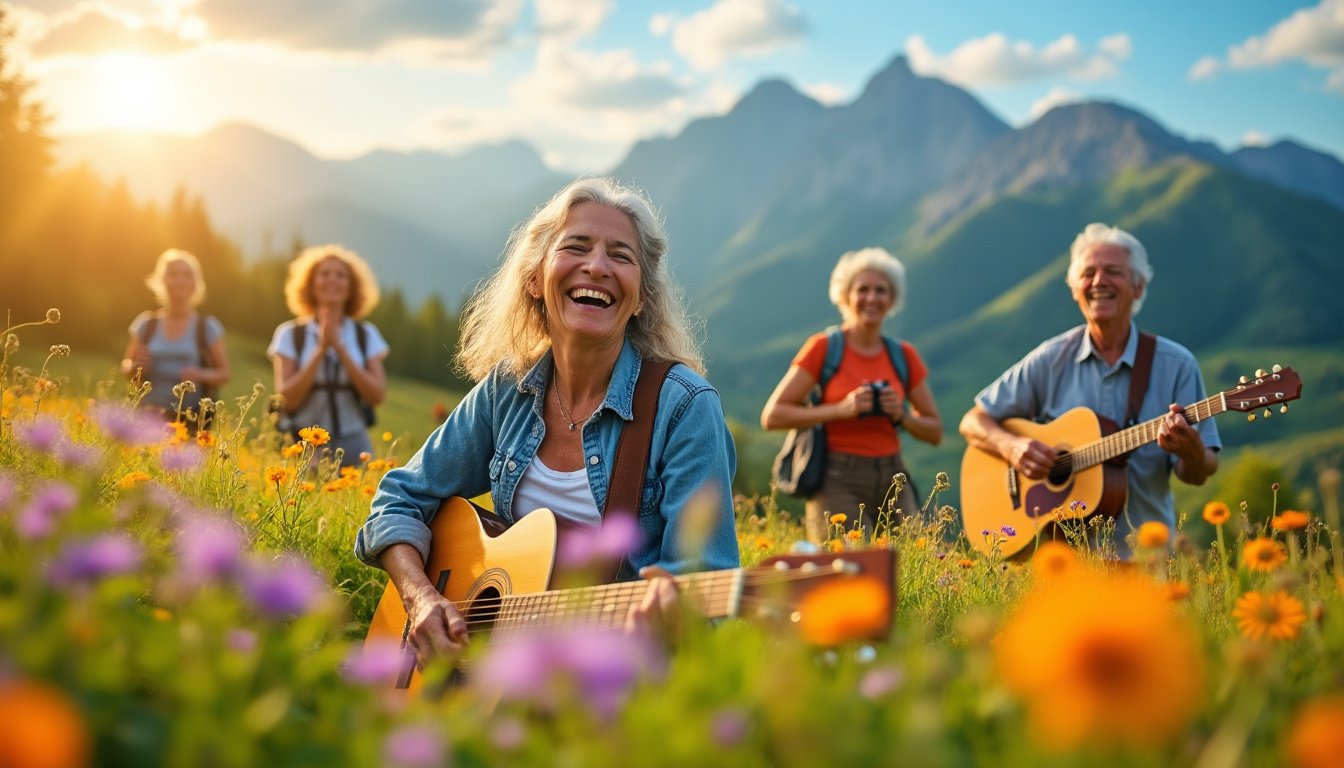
829,94
1254,139
1056,97
1204,69
661,24
1311,35
612,80
736,29
93,28
994,59
571,19
466,29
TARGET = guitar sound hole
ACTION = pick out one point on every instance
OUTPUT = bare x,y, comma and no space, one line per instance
483,611
1062,470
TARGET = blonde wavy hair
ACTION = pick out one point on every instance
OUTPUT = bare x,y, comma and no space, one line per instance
502,325
155,279
299,283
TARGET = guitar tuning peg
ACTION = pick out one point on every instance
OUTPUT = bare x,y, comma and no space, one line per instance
1242,380
1277,368
1259,373
1268,413
1283,408
1250,416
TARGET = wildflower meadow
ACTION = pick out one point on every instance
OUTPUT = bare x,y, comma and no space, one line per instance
188,597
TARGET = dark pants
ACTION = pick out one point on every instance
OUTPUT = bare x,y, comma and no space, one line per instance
853,481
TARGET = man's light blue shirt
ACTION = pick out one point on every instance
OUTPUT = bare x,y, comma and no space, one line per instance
1066,372
493,434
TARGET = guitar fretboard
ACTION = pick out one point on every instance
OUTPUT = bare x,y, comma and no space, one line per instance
716,594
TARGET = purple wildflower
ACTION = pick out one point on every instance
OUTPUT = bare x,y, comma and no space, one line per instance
508,733
78,455
985,532
282,589
1008,531
126,425
38,519
414,746
209,548
242,640
602,665
104,555
43,434
618,536
879,681
378,663
186,457
729,727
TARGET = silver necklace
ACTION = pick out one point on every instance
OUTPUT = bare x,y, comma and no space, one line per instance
573,425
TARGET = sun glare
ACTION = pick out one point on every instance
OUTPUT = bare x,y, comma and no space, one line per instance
132,91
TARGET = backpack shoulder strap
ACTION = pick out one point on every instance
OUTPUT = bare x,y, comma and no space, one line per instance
835,349
147,329
202,345
362,338
896,351
300,338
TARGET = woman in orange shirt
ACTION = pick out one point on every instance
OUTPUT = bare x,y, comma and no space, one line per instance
865,404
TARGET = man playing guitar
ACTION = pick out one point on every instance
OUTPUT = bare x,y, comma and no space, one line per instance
1091,366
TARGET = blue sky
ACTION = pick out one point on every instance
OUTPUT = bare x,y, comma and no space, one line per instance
583,79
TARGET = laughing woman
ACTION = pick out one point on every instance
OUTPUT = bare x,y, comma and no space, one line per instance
328,361
873,389
556,340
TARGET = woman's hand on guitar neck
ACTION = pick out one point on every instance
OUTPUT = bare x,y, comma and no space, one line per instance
657,613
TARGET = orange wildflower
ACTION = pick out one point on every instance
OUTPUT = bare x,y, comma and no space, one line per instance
1317,736
838,518
205,439
1263,554
176,432
277,475
1053,558
1290,520
1279,615
1216,513
1124,671
292,450
1152,535
40,727
854,535
841,610
1177,591
131,479
966,562
314,435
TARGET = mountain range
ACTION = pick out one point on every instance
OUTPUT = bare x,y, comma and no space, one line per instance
761,200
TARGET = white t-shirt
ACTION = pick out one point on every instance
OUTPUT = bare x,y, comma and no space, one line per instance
332,398
565,493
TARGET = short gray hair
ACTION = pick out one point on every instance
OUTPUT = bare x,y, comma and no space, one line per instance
851,264
1096,233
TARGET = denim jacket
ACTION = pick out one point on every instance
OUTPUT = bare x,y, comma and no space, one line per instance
493,434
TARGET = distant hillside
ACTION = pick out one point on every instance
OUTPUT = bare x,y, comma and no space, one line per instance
427,222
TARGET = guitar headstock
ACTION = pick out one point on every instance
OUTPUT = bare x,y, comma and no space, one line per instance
1267,388
828,598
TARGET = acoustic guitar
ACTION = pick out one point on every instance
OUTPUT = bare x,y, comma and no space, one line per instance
501,581
1088,476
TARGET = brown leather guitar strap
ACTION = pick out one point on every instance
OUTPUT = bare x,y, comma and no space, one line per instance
632,452
1139,375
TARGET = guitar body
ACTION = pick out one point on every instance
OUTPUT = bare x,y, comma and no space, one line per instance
994,494
467,563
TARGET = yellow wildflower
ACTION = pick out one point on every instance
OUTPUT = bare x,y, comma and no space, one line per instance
131,479
1290,520
1152,535
314,435
292,450
838,518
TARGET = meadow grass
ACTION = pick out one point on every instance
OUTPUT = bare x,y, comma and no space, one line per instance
175,600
